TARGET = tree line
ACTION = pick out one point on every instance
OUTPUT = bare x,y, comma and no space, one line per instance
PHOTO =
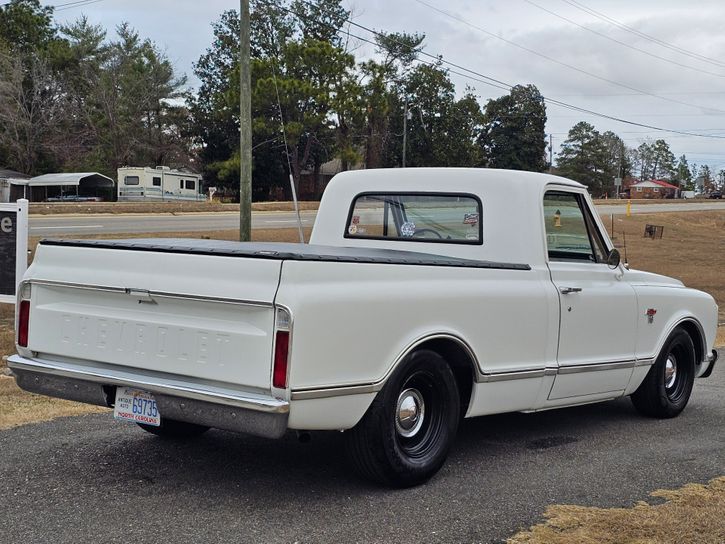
596,159
73,99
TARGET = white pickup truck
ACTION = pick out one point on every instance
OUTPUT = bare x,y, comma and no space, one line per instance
424,296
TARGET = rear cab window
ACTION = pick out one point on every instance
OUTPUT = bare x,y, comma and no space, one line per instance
416,217
571,232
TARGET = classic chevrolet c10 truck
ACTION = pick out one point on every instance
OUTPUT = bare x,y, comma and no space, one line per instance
424,296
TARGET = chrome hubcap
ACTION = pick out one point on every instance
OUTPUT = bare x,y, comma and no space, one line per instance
410,413
670,371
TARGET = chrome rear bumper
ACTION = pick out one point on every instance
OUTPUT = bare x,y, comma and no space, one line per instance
213,406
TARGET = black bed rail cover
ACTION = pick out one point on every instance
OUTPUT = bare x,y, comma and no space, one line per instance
283,252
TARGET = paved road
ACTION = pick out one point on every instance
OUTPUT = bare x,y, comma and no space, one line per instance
606,209
89,479
49,225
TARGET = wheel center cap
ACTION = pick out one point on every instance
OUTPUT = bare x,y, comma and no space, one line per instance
410,412
670,371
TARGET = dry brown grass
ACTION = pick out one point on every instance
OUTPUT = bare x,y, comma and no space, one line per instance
693,514
692,248
18,407
52,208
7,331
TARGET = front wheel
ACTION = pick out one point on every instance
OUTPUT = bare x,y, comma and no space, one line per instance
405,435
667,387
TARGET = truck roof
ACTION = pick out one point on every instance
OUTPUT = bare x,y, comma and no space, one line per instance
435,179
512,220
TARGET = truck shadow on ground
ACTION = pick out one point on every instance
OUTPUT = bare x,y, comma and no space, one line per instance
228,462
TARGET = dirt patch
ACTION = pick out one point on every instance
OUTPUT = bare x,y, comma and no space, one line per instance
691,514
57,208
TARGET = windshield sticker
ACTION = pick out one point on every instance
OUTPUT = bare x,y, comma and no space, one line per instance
472,236
352,229
407,229
470,219
355,219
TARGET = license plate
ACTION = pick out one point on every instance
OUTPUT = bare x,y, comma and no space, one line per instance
136,405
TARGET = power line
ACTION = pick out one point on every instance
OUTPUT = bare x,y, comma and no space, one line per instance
599,95
60,7
561,63
610,20
624,44
488,80
77,4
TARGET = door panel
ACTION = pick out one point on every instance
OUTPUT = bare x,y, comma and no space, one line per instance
598,324
598,327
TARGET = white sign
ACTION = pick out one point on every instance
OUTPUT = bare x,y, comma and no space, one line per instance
13,248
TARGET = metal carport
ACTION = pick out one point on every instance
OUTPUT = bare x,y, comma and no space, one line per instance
36,189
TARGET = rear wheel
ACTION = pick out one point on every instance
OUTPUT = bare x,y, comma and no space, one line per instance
666,389
170,428
405,435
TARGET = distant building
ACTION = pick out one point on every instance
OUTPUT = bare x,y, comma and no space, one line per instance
653,189
55,187
157,184
312,184
6,185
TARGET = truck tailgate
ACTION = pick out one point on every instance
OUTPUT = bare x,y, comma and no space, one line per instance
203,316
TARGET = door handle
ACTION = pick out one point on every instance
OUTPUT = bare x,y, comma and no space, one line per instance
567,290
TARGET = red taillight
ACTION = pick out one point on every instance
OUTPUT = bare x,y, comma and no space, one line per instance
281,351
23,318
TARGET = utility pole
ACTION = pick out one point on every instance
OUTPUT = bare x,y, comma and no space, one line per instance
551,152
405,130
245,127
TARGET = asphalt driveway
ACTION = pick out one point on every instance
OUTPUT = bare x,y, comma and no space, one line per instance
90,479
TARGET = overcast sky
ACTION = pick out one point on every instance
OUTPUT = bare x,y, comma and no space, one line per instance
501,39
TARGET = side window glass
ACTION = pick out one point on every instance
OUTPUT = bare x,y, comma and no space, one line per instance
567,236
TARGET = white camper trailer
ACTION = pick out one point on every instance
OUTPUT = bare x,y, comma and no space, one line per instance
160,183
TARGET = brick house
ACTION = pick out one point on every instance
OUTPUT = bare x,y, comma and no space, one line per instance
653,189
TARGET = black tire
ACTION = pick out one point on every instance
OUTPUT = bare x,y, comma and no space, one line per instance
170,428
663,394
378,446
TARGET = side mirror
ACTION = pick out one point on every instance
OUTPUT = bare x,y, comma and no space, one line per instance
613,259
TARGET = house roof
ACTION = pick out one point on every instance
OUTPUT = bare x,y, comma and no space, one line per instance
6,174
655,183
89,179
663,183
